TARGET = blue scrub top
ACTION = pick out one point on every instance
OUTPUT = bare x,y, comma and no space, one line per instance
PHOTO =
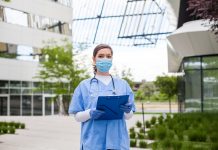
101,134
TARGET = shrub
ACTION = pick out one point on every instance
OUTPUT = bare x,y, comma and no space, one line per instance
187,146
214,146
11,130
132,135
153,120
22,126
166,143
214,137
170,134
132,129
170,124
160,119
142,130
154,145
143,144
161,132
4,130
141,136
17,125
177,145
147,124
11,124
151,134
180,136
138,124
197,135
133,143
5,124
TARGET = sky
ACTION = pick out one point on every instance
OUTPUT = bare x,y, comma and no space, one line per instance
144,63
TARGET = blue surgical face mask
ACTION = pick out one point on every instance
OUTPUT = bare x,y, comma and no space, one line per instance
103,64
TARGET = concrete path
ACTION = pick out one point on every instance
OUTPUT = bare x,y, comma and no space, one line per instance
48,133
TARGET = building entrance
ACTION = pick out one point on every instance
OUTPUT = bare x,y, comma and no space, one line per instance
3,106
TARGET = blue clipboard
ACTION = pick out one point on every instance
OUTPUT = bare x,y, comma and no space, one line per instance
111,106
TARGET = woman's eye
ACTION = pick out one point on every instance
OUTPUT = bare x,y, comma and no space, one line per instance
108,56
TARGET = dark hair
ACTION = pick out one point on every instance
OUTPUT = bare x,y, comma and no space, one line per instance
98,48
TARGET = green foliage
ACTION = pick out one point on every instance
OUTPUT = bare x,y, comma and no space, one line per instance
143,144
133,143
138,124
6,0
4,129
161,132
141,136
58,65
22,126
11,130
197,135
9,127
151,134
147,124
17,125
142,130
153,120
132,135
160,119
145,91
132,130
8,55
126,75
214,146
167,85
159,97
188,131
139,95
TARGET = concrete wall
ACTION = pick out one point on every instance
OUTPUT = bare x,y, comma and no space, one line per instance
11,69
20,35
46,8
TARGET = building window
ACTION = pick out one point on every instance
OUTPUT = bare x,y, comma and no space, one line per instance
37,105
34,21
15,105
199,86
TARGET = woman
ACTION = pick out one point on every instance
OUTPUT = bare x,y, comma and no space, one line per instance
101,134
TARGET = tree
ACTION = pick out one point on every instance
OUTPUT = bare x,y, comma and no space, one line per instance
168,86
145,91
60,72
126,75
205,9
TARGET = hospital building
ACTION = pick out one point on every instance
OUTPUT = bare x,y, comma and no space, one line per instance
24,27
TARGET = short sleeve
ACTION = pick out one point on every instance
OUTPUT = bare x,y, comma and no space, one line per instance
76,104
131,96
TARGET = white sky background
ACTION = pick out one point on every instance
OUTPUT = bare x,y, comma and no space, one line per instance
144,63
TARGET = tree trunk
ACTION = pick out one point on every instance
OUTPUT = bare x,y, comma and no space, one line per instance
170,105
61,105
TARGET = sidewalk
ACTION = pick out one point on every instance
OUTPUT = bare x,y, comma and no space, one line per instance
48,133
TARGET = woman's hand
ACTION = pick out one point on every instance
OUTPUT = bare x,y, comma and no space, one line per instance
126,107
95,114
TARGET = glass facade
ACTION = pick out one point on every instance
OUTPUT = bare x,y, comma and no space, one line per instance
198,88
3,106
26,99
34,21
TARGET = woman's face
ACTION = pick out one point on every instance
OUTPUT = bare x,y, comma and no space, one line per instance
103,53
